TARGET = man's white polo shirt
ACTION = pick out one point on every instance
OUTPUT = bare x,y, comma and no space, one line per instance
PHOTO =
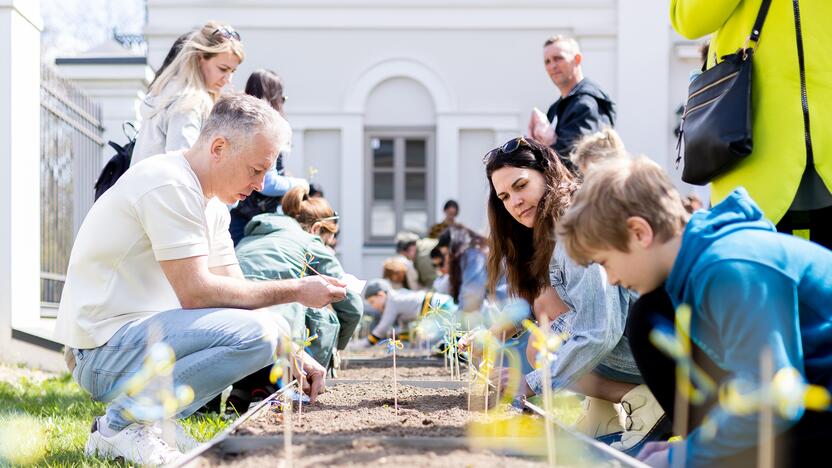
156,211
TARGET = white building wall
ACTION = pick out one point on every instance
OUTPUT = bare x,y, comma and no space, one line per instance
473,144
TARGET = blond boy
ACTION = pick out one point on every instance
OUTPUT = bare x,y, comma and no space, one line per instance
749,288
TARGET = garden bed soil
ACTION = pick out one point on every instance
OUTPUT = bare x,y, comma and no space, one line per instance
367,410
380,353
403,372
352,424
367,452
355,424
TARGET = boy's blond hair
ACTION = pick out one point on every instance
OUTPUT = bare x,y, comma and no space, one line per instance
394,270
597,147
612,193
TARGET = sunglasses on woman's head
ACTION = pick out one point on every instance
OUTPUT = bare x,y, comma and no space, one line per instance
508,148
227,32
334,217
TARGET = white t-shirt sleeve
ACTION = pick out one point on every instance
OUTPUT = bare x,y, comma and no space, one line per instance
183,130
221,246
173,218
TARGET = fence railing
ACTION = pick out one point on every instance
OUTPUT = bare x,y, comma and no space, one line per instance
69,165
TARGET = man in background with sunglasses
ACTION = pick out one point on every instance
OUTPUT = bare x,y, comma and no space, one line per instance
583,107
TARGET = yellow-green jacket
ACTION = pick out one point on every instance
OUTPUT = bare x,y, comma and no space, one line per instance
773,171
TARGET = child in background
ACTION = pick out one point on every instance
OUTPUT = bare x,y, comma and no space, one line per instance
401,305
749,288
597,147
394,271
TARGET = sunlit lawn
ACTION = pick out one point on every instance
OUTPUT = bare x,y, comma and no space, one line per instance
47,423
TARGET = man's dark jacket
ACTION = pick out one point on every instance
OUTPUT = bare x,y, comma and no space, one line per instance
585,110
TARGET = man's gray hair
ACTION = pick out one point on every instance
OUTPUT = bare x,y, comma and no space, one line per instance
239,117
567,43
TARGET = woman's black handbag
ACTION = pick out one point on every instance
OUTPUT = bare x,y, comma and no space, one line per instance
716,123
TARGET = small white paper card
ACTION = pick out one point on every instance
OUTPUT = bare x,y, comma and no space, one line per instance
354,284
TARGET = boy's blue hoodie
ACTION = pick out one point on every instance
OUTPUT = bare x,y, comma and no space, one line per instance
749,287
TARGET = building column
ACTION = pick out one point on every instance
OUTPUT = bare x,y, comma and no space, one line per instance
20,28
643,58
446,163
351,240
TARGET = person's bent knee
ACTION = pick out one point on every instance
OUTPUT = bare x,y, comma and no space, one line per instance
271,331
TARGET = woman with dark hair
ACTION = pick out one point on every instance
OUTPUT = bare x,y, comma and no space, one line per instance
529,190
266,85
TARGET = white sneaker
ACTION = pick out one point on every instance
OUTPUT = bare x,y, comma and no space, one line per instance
599,418
137,443
183,441
643,415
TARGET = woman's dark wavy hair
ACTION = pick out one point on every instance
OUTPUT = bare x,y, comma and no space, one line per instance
458,239
266,85
525,253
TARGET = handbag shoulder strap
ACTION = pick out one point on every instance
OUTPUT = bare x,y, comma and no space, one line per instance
758,23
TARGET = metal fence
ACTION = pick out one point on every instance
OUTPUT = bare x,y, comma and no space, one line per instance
69,165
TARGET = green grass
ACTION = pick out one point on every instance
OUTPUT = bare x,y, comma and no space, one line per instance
52,419
565,408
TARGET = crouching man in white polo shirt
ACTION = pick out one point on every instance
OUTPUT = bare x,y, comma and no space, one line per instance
153,261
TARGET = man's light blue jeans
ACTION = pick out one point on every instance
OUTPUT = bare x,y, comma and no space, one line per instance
213,347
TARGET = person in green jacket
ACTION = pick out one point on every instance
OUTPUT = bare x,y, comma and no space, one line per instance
789,172
293,245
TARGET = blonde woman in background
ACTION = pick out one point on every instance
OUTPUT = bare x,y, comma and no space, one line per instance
183,94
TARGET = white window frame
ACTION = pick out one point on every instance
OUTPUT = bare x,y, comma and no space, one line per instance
399,135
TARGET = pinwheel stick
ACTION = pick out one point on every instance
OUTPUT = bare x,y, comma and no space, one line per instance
450,349
287,418
765,456
547,391
470,383
456,358
500,363
395,381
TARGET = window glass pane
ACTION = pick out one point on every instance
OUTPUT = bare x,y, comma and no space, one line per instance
382,220
382,152
414,186
383,186
415,153
415,221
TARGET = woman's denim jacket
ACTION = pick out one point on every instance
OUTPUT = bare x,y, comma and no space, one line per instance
593,326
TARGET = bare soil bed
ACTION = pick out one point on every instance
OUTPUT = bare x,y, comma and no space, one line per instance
367,410
404,372
368,453
355,424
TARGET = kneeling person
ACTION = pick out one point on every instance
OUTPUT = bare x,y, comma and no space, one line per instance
154,262
399,305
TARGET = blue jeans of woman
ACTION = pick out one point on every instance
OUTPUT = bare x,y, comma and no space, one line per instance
213,348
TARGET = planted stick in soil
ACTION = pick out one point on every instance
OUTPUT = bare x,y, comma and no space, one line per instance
287,420
547,393
393,344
